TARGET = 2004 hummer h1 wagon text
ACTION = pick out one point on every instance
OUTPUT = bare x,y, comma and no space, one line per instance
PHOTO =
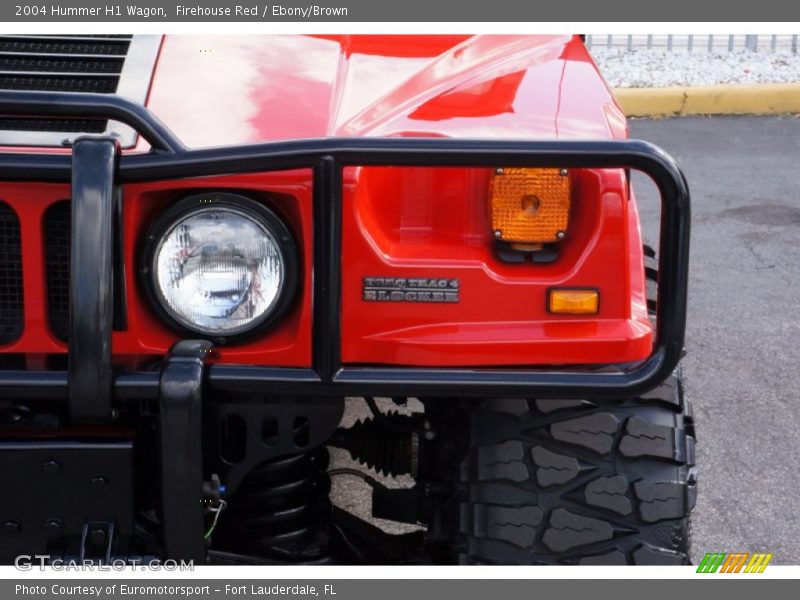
209,243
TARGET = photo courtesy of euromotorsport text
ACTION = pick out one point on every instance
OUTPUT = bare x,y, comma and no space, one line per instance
171,589
392,299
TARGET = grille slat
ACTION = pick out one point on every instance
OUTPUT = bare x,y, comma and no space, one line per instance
33,63
57,255
61,125
11,308
46,83
57,55
69,37
64,45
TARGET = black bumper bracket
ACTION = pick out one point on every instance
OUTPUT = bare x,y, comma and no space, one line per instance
180,431
91,278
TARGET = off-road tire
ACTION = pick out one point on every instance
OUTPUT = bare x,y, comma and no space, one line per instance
579,482
651,282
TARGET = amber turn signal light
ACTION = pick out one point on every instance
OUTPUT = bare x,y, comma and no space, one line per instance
573,302
529,206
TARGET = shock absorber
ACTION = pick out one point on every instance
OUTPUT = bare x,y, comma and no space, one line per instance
281,510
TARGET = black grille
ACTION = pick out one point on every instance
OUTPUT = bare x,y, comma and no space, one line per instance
66,44
11,316
57,83
66,63
65,125
57,252
60,64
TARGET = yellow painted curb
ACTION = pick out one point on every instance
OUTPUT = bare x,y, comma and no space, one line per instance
750,99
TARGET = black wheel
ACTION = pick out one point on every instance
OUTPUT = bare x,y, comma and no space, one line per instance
579,482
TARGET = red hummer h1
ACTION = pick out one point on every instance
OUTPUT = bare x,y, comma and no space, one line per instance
210,243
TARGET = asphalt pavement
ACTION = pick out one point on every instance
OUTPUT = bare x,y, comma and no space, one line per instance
741,370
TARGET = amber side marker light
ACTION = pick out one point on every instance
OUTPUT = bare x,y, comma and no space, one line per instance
573,302
529,207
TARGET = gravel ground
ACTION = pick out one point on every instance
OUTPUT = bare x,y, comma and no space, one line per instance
658,68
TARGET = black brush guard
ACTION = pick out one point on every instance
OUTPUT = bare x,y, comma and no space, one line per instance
97,169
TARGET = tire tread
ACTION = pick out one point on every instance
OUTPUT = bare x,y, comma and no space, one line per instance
607,482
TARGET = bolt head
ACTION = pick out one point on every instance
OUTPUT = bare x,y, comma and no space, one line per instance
560,235
563,172
499,171
98,536
498,234
98,483
52,526
50,467
10,528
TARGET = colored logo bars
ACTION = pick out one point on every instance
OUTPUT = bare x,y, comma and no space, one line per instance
735,562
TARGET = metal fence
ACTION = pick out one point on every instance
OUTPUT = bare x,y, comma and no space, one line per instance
697,43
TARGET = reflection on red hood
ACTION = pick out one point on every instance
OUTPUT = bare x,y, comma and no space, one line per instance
220,90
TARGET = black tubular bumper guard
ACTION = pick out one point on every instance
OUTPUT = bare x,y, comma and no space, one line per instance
169,159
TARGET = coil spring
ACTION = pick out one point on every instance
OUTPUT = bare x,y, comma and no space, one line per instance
282,509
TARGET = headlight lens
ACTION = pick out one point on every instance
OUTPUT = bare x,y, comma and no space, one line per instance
219,269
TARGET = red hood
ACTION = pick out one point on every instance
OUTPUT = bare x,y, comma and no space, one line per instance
215,90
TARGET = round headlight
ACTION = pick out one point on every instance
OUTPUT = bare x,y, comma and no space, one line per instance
221,265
